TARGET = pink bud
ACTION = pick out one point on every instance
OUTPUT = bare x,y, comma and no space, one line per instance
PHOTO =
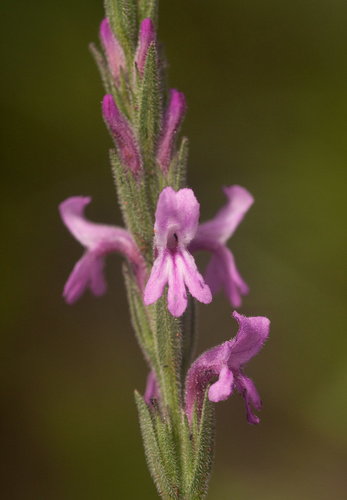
173,118
123,135
114,52
147,36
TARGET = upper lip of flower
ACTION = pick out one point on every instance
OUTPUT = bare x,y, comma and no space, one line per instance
176,223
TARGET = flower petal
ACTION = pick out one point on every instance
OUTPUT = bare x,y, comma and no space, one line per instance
177,295
222,389
88,272
193,279
201,372
249,340
223,225
158,278
222,272
176,211
99,240
247,389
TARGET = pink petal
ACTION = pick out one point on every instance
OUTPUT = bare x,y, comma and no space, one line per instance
223,225
176,211
222,272
158,278
193,279
222,389
250,338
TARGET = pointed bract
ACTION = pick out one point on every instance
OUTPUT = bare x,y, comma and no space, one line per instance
98,240
227,361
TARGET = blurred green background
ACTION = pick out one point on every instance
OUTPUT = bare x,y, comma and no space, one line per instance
266,85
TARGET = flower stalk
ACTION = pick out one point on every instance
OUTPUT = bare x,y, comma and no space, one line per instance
159,240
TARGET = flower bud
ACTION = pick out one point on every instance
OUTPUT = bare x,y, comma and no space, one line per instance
114,52
147,37
173,118
123,135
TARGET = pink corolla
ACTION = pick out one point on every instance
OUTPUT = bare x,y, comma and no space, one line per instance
114,52
123,135
146,39
176,223
226,361
212,236
172,121
98,240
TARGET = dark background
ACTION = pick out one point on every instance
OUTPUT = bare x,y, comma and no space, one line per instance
266,87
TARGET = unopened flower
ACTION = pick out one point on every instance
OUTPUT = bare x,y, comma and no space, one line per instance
123,135
152,388
172,120
212,236
176,222
146,38
114,52
226,361
98,240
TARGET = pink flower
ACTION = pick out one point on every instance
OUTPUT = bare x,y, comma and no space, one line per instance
175,226
212,236
227,361
98,240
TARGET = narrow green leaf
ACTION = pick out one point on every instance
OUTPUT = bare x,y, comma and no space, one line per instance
149,421
166,441
139,314
148,8
102,66
180,165
204,450
122,16
187,454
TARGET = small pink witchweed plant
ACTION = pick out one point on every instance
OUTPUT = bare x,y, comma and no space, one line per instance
161,276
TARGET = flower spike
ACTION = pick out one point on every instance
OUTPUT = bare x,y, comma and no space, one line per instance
175,226
212,236
99,240
227,361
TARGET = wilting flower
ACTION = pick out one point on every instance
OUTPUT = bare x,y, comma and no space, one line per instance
123,135
176,222
146,38
113,50
98,240
172,120
213,235
227,361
